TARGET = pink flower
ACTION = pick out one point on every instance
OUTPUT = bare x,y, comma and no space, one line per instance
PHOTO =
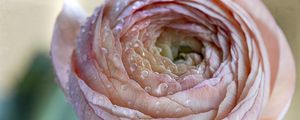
173,59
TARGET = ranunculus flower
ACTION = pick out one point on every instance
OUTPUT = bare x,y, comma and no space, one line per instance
173,59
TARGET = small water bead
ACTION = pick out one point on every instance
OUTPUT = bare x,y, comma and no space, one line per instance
159,50
156,112
129,103
170,93
163,86
178,109
169,77
143,54
117,8
143,63
136,45
118,28
114,110
148,89
94,20
84,57
104,50
133,67
108,85
188,102
134,29
137,4
144,74
157,103
83,30
147,34
124,87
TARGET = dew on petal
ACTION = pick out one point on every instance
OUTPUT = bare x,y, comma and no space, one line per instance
93,21
108,86
148,89
144,74
124,87
178,109
156,112
129,103
170,93
162,87
84,57
133,67
188,102
136,45
83,30
117,8
104,50
157,103
159,50
137,4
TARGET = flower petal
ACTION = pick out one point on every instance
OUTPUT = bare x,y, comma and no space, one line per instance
63,41
280,58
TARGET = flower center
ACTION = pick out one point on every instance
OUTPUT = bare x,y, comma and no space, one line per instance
180,48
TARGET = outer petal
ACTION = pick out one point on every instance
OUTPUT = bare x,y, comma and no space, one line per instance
64,36
280,57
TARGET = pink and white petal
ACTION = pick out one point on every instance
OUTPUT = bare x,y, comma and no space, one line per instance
63,40
280,57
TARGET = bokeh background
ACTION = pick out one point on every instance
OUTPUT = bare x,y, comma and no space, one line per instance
27,87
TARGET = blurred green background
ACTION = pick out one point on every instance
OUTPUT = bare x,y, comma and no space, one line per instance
27,87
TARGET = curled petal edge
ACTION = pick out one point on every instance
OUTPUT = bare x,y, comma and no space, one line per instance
280,57
64,36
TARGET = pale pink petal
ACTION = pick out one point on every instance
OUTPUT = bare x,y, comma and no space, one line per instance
280,56
63,40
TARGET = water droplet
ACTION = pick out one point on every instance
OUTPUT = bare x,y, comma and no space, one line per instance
163,87
117,8
108,86
143,63
178,109
83,30
129,103
136,45
104,50
125,112
137,5
159,50
144,74
84,57
147,34
148,89
94,20
188,102
116,58
169,77
170,93
134,29
143,54
157,103
124,87
118,27
133,67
